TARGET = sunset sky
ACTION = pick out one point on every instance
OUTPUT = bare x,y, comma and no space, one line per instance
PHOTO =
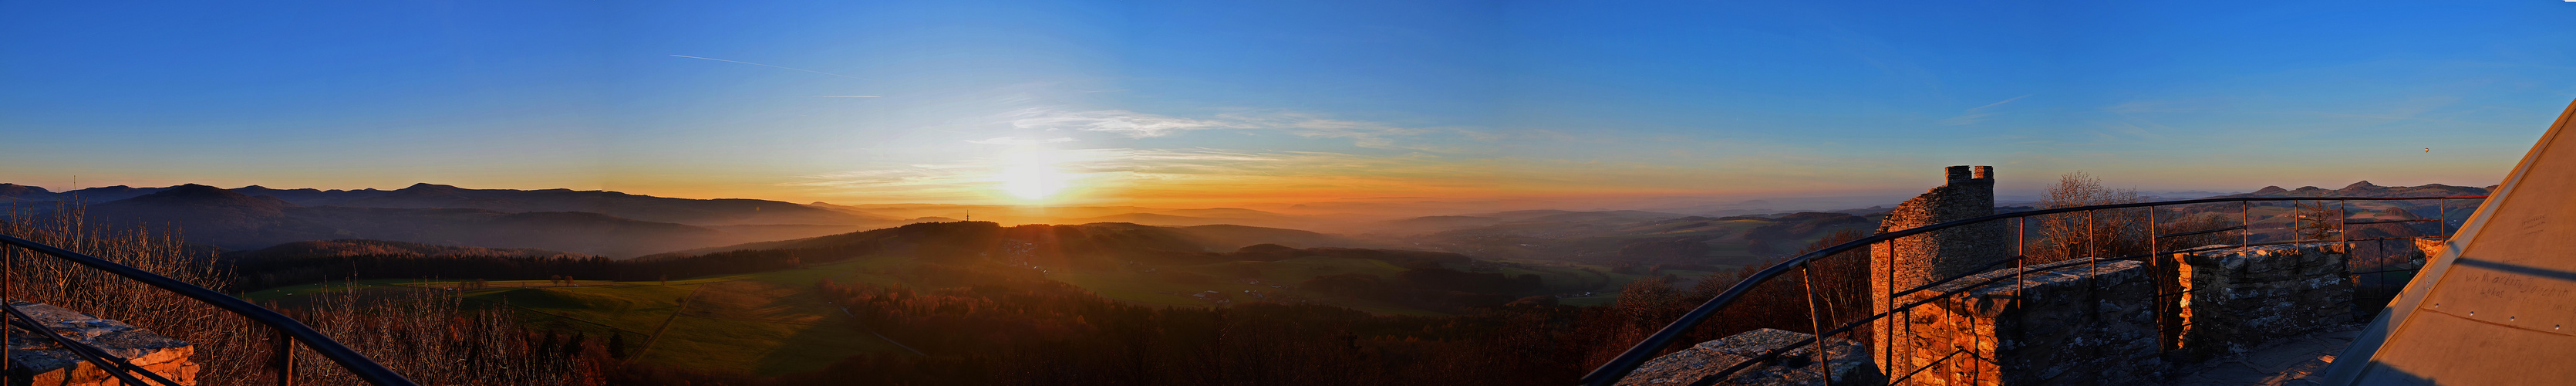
1195,103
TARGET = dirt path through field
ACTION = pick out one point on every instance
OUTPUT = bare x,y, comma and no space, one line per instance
666,323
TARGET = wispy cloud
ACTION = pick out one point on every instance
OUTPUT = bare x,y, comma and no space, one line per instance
1018,141
1121,122
1978,114
1251,175
1363,134
770,66
1142,125
1167,172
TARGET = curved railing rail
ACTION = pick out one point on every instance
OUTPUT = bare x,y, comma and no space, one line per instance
1637,355
288,329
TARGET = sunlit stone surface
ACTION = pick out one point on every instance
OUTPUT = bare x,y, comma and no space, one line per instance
1850,365
36,360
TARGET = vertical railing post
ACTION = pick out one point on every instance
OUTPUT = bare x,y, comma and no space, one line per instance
2246,213
1815,323
2343,228
2442,223
2162,275
8,273
285,358
2092,239
2092,245
2152,229
2021,252
1887,279
2298,216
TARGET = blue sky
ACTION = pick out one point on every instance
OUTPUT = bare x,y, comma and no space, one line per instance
1201,102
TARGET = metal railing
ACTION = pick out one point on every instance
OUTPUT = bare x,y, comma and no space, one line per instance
1637,355
288,330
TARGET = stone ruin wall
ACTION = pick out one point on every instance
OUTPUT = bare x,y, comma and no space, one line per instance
2237,299
2063,323
1912,261
2066,324
2076,323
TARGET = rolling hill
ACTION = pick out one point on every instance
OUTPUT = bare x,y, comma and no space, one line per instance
639,207
1431,224
1121,238
2367,189
714,212
232,220
362,247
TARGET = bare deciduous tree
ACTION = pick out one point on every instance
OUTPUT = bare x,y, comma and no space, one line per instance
425,334
2115,232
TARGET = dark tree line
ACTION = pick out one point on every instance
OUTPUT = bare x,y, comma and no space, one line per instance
272,273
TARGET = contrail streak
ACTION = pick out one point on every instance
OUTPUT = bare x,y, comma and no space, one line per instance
847,96
770,66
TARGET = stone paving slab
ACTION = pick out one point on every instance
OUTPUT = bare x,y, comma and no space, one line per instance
2285,362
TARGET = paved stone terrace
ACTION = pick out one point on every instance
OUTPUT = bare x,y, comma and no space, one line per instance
2285,362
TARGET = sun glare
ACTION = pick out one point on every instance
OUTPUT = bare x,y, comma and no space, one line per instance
1032,174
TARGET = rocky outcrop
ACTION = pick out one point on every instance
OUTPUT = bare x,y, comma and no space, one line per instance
1846,359
36,360
2236,299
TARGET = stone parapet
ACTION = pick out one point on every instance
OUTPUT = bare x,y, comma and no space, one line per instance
2237,299
1847,360
2074,324
36,360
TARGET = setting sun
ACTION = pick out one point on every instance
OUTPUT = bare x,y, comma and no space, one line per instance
1031,175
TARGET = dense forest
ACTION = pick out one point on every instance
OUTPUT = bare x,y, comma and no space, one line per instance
980,315
979,324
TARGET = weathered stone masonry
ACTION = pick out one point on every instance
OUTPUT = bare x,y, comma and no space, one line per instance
2236,299
1849,363
2068,324
2076,322
1912,261
35,360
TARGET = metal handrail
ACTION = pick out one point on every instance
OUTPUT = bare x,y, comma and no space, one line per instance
356,363
1637,355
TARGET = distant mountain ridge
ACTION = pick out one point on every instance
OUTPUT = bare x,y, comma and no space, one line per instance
1084,237
22,193
228,219
2367,189
730,211
363,247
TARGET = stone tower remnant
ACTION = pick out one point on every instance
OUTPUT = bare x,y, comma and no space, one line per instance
1912,261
